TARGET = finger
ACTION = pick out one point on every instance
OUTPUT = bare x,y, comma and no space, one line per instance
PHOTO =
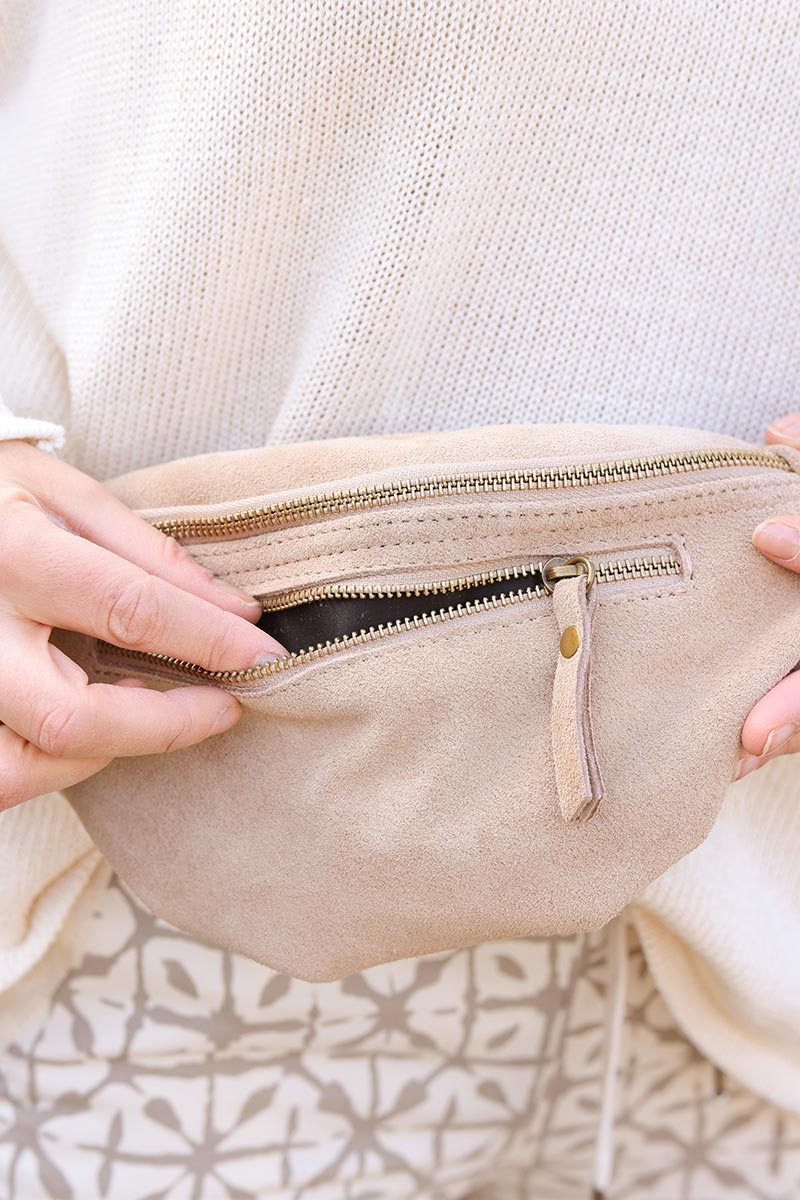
747,763
772,726
778,538
785,431
110,523
67,717
53,577
90,510
26,771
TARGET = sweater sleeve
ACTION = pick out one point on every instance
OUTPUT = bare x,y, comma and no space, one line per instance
46,861
47,435
34,388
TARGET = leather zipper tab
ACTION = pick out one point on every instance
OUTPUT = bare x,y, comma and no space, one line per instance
578,779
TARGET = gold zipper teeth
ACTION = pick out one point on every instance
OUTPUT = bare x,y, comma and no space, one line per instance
288,512
605,573
612,571
322,650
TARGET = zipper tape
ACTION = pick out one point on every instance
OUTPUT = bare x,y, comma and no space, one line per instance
207,526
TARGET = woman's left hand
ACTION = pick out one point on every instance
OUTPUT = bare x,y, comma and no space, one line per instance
773,724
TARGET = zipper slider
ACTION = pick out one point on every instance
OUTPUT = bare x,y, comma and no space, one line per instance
578,780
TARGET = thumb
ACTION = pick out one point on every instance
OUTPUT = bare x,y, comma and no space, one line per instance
778,537
785,431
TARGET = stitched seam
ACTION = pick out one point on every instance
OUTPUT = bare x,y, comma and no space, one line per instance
355,522
677,545
430,520
247,572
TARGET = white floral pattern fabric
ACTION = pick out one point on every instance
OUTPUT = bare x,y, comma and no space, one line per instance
166,1069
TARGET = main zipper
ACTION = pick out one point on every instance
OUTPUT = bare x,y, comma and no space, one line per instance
287,512
534,585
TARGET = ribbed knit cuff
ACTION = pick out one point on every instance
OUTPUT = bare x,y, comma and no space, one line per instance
46,861
44,434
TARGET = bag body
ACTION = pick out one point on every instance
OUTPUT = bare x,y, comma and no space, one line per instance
522,659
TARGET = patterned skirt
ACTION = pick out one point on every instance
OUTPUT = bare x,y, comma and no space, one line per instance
159,1068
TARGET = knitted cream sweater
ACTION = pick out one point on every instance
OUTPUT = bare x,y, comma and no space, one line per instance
226,225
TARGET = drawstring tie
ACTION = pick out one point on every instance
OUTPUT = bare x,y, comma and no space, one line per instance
616,987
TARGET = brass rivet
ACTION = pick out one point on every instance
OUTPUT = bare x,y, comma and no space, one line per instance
570,641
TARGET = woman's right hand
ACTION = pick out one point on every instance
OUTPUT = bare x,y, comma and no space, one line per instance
72,556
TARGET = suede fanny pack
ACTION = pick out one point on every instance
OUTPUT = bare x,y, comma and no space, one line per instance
521,658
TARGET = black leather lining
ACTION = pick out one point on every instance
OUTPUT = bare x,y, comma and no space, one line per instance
306,625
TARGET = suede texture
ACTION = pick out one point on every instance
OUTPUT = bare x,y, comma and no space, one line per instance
401,797
577,772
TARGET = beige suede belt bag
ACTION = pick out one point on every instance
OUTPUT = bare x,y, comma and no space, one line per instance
521,658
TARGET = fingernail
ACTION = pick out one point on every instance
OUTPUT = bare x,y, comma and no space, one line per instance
227,716
268,657
746,764
224,586
778,737
777,540
788,425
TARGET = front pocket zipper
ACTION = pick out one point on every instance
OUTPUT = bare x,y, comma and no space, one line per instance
325,619
320,619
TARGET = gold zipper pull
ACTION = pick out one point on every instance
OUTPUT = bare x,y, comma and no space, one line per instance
580,786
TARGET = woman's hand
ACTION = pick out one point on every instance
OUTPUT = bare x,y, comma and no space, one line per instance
74,557
773,724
